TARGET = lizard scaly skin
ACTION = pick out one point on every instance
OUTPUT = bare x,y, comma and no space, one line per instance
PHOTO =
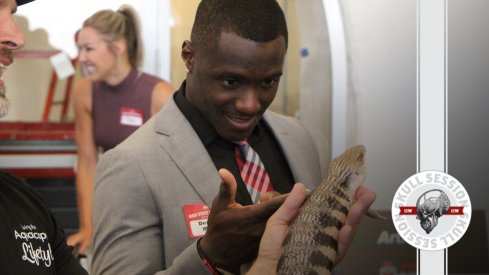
311,244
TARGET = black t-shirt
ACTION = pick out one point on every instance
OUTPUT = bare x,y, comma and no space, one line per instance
30,240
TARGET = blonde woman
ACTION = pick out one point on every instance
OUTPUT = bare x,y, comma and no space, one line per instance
111,101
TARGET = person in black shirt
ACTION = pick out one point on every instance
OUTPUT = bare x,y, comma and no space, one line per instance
31,240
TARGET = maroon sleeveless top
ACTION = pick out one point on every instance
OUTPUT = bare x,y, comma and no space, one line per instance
117,111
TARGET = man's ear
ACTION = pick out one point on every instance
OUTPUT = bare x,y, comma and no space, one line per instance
188,55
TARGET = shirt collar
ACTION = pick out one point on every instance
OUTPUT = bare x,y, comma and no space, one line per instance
201,125
125,84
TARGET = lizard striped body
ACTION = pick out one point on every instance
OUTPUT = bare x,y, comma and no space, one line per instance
311,244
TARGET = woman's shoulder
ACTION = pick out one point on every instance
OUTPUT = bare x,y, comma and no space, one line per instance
82,93
158,85
151,78
82,85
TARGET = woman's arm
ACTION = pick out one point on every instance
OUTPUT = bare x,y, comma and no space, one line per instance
161,92
87,160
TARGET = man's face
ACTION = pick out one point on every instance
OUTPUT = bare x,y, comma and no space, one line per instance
235,82
10,39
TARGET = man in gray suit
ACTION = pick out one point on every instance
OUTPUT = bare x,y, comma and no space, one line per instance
152,192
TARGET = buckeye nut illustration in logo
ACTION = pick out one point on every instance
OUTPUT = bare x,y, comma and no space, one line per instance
431,210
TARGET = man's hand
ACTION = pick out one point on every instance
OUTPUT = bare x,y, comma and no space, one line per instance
269,195
364,198
278,225
234,231
276,230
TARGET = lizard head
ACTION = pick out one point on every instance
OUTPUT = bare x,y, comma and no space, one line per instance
352,163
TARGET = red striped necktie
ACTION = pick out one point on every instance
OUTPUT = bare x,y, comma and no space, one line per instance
252,170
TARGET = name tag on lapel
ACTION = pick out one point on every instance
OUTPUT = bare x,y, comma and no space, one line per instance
196,218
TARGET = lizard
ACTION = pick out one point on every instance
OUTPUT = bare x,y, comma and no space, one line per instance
311,245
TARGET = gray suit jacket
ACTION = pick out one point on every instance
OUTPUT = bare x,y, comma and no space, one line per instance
142,185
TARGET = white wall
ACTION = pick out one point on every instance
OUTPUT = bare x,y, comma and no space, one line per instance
156,19
381,44
62,18
315,73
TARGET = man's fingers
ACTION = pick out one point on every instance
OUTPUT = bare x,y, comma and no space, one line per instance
365,197
360,191
263,211
227,191
268,195
291,205
345,237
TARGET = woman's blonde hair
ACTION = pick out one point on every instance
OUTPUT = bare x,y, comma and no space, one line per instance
123,23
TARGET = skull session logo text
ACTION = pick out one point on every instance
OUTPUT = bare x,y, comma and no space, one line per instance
431,210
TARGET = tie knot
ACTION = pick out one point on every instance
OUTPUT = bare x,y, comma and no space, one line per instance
243,147
242,142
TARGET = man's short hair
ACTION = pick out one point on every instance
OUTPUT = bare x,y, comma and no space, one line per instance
256,20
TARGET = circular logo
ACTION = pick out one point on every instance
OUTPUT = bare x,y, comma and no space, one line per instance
431,210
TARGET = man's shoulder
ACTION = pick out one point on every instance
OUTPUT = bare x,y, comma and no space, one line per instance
16,187
279,122
139,141
272,117
20,198
150,136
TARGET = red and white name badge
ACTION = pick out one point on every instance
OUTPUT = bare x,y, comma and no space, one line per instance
131,117
196,218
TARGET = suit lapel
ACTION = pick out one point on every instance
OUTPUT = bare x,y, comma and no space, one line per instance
293,153
176,136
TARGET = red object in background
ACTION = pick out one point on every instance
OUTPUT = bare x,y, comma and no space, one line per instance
37,131
37,173
34,142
